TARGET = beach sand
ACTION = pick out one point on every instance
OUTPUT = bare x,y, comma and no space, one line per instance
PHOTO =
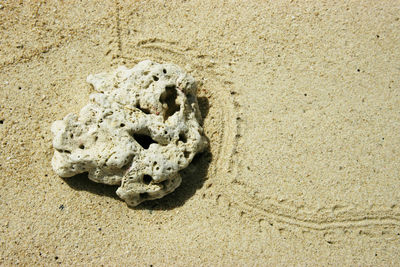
301,104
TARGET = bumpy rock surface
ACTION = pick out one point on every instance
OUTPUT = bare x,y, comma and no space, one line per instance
138,131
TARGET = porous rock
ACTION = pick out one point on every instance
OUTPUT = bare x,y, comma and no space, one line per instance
140,128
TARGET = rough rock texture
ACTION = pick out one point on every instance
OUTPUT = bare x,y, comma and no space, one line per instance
138,131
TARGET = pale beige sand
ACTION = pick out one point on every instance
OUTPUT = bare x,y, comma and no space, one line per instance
302,109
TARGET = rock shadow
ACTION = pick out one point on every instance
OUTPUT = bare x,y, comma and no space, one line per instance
81,182
193,178
204,107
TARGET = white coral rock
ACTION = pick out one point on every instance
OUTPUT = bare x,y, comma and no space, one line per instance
138,131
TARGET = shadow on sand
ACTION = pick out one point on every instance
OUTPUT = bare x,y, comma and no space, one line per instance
193,178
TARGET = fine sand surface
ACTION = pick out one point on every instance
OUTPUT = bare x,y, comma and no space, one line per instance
301,104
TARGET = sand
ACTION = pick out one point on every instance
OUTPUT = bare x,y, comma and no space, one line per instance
300,102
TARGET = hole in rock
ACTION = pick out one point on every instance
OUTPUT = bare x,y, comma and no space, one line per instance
81,146
64,151
144,140
182,137
164,184
186,154
122,125
155,78
147,179
127,164
144,195
164,71
144,110
169,97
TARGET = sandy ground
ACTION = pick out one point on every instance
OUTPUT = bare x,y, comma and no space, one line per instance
301,104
